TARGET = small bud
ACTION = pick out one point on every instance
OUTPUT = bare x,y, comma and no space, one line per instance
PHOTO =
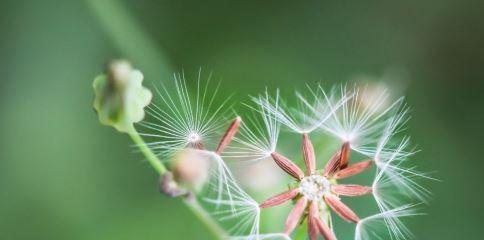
120,97
169,187
191,168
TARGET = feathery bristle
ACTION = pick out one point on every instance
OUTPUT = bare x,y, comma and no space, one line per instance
309,113
258,136
360,122
180,121
371,227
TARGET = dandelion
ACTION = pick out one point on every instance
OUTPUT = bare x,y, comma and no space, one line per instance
362,119
318,189
365,124
192,134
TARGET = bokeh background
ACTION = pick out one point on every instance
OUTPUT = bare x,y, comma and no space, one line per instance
64,176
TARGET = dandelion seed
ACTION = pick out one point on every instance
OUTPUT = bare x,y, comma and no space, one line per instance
371,227
361,120
310,114
181,121
235,205
257,138
393,180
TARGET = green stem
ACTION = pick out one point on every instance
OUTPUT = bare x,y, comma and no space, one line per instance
129,37
150,156
203,216
191,203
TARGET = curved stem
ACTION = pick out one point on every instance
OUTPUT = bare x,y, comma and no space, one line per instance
191,203
150,156
203,216
135,44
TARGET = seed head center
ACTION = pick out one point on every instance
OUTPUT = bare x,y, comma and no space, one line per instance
193,137
314,187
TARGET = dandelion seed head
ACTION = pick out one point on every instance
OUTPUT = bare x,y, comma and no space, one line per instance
182,118
194,137
367,122
314,187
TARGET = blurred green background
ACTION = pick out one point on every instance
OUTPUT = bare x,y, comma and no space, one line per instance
64,176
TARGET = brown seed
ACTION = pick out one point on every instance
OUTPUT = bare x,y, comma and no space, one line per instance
280,198
229,135
338,161
345,155
313,216
196,145
295,215
353,169
333,164
287,165
308,154
323,228
341,209
351,190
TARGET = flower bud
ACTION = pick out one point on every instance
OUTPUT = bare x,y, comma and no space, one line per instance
191,168
120,97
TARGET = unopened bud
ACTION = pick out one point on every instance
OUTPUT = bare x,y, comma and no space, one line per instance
191,168
120,97
169,187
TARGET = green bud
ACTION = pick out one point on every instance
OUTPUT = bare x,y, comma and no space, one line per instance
120,97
